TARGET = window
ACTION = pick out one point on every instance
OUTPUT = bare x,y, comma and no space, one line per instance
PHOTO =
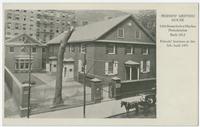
16,26
129,49
54,65
34,49
111,68
23,38
120,33
111,49
23,49
71,48
9,16
145,51
83,48
16,17
145,66
22,64
81,66
138,34
9,25
12,49
43,49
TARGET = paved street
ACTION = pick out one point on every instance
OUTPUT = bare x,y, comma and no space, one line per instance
132,114
99,110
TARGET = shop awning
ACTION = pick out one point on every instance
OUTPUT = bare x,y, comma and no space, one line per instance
130,62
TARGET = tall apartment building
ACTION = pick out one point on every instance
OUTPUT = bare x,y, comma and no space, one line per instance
43,25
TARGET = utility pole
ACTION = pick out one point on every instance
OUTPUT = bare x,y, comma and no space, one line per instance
84,86
29,77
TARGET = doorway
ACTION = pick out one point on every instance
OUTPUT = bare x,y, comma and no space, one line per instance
132,72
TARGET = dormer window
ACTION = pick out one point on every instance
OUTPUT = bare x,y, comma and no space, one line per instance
120,33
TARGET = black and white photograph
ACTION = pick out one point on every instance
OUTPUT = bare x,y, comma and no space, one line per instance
80,63
107,64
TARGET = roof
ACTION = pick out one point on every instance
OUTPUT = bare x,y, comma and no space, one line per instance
13,41
94,31
68,60
130,62
127,42
23,57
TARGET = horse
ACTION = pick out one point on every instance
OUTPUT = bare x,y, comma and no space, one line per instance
145,103
129,106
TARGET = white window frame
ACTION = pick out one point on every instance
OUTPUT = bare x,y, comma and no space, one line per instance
71,48
147,67
24,61
82,48
131,50
118,33
115,68
114,48
146,51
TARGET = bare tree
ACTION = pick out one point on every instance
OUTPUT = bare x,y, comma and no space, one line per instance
58,89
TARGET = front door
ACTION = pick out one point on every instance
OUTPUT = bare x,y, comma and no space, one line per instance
132,73
68,71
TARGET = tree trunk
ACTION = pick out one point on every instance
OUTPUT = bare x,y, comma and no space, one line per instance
58,88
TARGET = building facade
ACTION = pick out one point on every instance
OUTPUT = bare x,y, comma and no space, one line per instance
43,25
118,47
17,54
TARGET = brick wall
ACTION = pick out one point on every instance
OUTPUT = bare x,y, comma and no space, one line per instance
131,88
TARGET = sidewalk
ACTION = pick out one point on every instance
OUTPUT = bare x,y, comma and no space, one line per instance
100,110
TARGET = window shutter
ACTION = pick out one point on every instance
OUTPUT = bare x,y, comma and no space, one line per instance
79,65
141,66
115,49
106,49
79,48
85,68
115,67
106,68
148,66
125,49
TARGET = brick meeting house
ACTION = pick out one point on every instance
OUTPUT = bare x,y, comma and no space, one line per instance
116,49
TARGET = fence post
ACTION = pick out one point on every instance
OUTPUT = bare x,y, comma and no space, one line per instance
96,90
24,100
117,85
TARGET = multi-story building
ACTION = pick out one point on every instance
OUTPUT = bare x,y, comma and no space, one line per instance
119,47
17,54
40,24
